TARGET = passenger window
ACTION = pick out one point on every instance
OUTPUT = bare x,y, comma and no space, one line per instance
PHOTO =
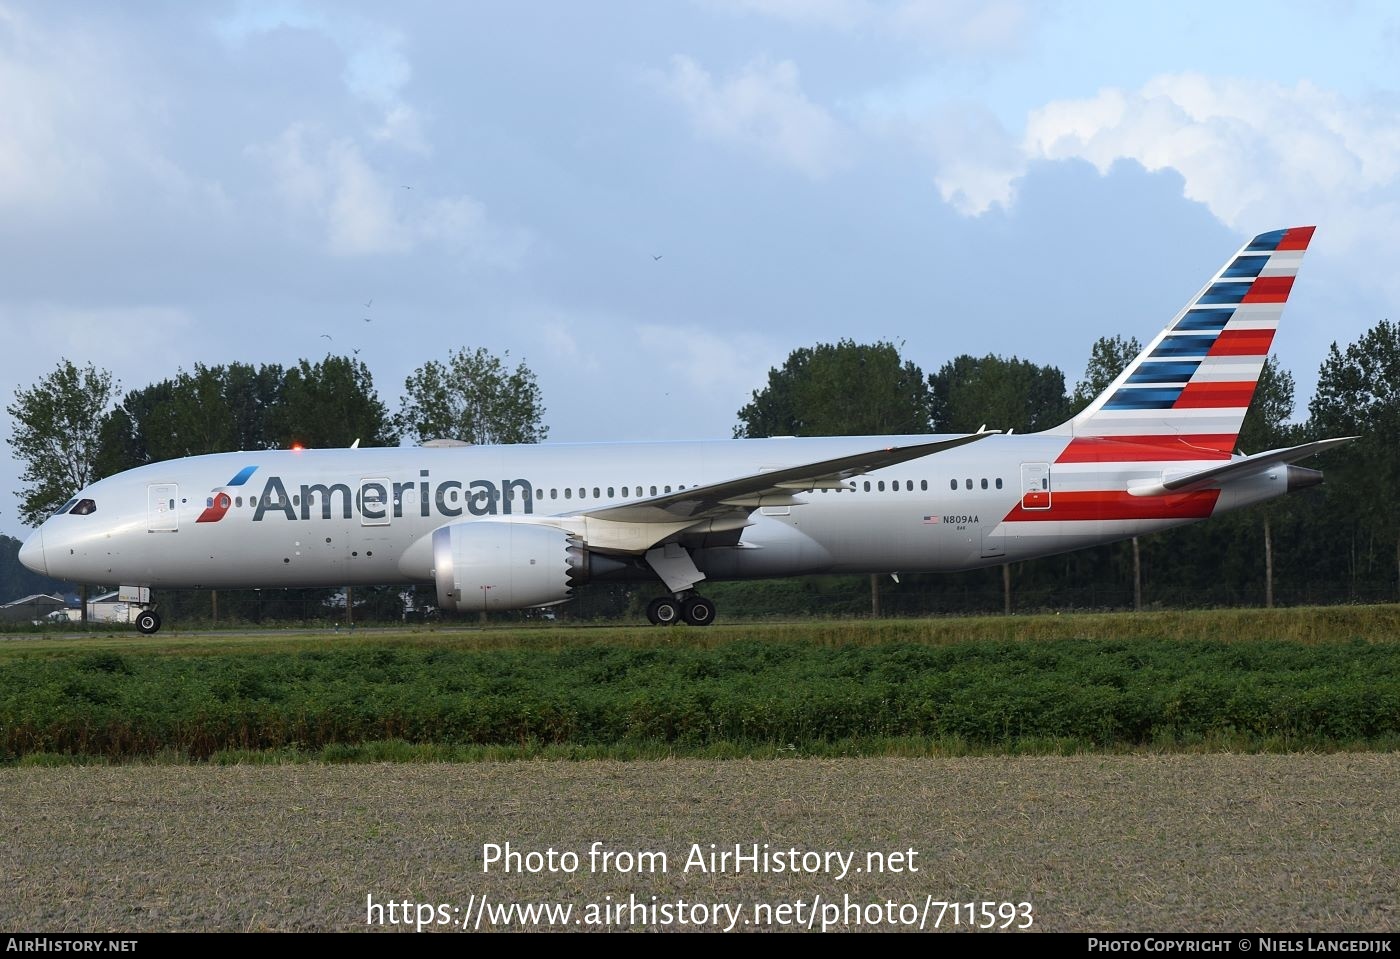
867,486
998,482
172,502
568,493
611,494
554,494
969,483
881,486
952,484
595,493
984,482
237,501
668,489
923,485
653,491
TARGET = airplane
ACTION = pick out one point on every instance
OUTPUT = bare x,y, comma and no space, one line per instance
515,527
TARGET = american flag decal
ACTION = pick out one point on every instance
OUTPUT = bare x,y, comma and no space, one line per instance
930,519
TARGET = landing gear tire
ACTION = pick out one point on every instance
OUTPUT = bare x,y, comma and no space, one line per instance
148,621
698,611
664,611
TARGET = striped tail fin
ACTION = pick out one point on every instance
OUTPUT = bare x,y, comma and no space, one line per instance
1191,386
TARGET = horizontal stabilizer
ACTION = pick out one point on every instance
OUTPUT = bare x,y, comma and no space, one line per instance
1236,469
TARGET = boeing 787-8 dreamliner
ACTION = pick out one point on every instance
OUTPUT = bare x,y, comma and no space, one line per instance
513,527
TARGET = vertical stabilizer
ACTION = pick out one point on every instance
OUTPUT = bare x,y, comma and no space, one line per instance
1191,386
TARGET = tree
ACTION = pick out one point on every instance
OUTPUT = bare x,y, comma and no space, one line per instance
1003,393
1109,356
1358,394
1266,425
330,404
214,409
56,435
1265,428
840,389
473,397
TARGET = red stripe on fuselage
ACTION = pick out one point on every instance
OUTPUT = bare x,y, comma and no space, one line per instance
1269,289
1242,343
1147,449
1297,238
1208,395
1115,504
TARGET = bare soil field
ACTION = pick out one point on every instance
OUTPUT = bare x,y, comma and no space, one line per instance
1215,842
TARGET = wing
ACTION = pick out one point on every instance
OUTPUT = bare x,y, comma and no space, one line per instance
743,494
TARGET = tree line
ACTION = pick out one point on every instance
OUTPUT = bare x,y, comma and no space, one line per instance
1339,542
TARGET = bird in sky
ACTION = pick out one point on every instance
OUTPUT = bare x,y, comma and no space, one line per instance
657,256
370,303
326,336
367,319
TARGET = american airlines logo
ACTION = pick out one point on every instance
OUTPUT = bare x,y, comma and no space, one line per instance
377,499
219,501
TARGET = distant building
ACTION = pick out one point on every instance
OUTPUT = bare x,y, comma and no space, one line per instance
32,608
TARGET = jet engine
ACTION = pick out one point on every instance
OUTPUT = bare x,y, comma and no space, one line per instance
486,565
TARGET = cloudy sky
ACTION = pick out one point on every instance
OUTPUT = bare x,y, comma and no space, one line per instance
208,182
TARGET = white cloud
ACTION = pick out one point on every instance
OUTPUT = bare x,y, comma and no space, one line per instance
952,27
77,129
129,341
361,212
1255,153
762,107
717,364
376,67
962,26
402,128
975,163
838,14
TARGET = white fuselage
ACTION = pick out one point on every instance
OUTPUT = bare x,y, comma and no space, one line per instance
366,516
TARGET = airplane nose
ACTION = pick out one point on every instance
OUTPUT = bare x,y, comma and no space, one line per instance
31,554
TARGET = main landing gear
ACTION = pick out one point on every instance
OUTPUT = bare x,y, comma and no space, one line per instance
148,621
669,610
672,563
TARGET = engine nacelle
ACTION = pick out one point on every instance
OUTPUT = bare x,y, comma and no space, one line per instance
490,565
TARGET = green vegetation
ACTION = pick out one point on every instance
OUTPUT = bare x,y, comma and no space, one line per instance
1234,680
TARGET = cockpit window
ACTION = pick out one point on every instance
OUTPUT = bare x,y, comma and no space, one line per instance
65,507
84,507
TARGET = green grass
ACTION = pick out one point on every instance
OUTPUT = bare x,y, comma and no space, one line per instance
1319,679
